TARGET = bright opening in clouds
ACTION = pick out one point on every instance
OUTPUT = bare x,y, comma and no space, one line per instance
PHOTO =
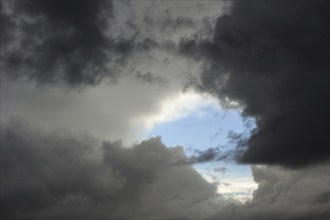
164,109
177,107
204,124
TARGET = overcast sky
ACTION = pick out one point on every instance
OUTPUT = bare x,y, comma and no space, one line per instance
165,109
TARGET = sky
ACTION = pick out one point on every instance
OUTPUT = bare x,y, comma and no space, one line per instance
208,128
168,109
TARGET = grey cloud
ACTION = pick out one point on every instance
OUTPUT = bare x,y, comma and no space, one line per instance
211,154
197,48
58,175
66,42
175,19
229,152
272,58
284,194
80,43
64,176
151,78
104,111
51,41
168,22
221,170
273,64
225,183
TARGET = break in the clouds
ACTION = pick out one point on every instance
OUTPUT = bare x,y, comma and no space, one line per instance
269,58
58,175
272,57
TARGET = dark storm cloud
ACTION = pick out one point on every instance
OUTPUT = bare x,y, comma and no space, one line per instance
56,40
168,23
272,57
149,77
62,41
64,176
58,175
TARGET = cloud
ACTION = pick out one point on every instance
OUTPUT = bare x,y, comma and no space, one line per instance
177,20
70,42
177,106
80,43
211,154
221,170
47,175
61,175
272,58
285,194
149,77
127,110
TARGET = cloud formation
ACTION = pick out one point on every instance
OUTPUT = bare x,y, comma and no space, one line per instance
284,194
58,175
58,42
272,57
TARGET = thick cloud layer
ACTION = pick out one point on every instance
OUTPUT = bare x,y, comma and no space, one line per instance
272,57
62,176
57,175
82,42
61,41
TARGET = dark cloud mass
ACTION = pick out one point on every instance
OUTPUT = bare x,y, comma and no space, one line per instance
273,58
269,57
64,176
60,175
60,41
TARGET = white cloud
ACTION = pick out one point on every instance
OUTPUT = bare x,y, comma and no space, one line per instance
237,186
176,107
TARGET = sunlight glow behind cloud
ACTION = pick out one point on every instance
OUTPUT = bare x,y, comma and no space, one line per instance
176,107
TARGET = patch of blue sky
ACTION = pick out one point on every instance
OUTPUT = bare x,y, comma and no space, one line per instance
200,131
203,131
